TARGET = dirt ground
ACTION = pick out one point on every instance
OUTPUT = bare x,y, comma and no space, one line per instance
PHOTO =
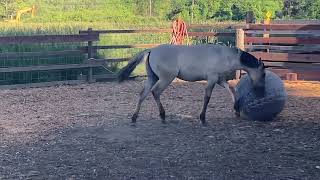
84,132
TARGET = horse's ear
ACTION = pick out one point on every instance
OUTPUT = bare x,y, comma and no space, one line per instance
261,64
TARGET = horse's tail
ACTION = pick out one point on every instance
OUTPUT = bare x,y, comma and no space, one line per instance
125,72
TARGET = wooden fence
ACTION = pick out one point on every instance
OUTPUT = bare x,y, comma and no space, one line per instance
43,39
89,37
290,50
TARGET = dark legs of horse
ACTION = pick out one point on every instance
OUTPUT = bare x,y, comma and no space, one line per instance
207,97
158,88
162,112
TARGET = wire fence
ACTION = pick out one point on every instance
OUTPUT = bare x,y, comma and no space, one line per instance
17,56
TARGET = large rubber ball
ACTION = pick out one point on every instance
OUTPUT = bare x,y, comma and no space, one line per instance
262,108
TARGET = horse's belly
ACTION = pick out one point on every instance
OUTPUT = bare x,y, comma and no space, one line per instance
191,74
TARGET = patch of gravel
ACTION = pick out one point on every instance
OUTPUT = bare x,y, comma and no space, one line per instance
84,132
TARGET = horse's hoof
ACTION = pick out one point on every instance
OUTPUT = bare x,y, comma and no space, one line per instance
163,116
163,121
237,114
205,124
133,125
134,118
203,118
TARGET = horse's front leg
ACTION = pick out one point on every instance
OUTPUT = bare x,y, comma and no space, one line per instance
230,89
207,96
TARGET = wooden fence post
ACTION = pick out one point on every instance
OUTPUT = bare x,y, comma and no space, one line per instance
292,76
240,45
250,17
90,70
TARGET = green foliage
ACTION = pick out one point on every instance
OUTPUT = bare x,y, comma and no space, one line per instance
7,7
133,11
314,9
301,9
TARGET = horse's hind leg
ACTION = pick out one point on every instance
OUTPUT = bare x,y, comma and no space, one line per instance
207,96
157,89
143,94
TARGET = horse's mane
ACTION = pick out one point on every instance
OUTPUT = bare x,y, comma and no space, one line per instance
249,60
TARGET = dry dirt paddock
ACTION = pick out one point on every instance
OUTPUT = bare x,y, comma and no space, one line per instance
84,132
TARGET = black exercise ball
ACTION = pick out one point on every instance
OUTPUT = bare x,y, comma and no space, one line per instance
250,105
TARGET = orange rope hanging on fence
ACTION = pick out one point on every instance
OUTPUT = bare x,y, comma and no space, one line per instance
179,32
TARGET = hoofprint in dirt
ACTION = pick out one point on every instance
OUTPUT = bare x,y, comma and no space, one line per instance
84,132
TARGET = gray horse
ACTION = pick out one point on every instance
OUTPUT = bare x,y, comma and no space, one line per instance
207,62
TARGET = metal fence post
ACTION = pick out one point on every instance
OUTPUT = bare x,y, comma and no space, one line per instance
90,69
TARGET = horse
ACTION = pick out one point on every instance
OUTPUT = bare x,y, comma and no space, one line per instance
202,62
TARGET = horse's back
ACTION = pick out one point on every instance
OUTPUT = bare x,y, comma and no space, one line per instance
199,52
191,62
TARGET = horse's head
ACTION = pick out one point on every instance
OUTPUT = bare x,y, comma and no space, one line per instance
257,76
256,70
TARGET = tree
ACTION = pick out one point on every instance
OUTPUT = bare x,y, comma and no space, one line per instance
179,8
313,7
7,7
200,10
224,12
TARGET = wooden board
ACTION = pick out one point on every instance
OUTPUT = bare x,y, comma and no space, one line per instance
288,57
11,55
283,27
285,32
48,39
307,75
282,40
126,31
295,21
302,74
291,49
295,66
46,67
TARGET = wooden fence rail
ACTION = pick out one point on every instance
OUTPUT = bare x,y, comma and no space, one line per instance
48,39
15,55
296,27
